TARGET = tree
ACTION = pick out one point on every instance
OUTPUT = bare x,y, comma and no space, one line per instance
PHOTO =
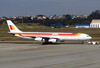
94,15
67,17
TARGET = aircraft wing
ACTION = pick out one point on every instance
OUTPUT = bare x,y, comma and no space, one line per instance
42,38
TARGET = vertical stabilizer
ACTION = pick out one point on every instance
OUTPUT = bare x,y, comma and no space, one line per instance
12,27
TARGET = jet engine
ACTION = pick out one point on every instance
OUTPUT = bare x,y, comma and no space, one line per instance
38,39
52,40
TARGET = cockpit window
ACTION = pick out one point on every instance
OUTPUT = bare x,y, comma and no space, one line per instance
88,36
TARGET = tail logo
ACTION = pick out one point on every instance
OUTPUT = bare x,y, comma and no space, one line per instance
12,27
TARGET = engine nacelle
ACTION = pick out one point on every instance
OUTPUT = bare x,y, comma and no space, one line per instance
52,40
38,39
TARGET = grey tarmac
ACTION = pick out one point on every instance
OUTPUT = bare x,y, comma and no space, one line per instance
49,56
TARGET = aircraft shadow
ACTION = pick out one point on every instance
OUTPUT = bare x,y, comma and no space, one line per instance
50,43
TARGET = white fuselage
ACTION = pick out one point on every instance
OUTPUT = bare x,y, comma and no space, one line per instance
63,37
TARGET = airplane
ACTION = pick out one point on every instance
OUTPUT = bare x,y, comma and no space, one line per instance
47,37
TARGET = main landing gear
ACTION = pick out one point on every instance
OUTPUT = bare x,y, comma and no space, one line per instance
46,41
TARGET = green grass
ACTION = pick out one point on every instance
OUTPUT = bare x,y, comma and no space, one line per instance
95,35
5,35
23,26
3,27
29,26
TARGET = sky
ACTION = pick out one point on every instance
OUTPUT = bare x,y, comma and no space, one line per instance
47,7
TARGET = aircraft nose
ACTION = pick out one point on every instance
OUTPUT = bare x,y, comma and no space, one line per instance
90,37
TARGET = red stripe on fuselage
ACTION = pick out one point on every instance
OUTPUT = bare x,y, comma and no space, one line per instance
68,34
58,34
35,33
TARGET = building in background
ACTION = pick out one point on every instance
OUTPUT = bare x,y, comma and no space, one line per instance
82,25
95,23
